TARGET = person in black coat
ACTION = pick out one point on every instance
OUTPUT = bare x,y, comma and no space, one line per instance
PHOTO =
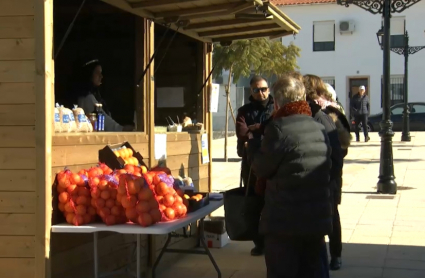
249,122
335,125
360,109
295,158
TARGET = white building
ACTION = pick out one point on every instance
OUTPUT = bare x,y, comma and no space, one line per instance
353,57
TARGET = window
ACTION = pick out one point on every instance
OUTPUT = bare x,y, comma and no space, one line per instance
329,80
398,27
397,110
396,89
418,108
324,36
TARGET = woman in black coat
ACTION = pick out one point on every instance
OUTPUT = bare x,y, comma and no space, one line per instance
338,129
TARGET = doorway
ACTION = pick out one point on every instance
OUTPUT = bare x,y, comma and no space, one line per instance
354,85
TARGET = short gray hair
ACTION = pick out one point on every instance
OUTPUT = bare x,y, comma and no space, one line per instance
288,89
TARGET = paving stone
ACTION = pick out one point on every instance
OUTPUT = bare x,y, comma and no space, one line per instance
383,238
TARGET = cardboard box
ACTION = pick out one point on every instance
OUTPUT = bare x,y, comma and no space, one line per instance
215,225
216,240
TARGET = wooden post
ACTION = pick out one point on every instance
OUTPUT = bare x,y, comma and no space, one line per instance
150,88
226,130
43,132
149,45
208,66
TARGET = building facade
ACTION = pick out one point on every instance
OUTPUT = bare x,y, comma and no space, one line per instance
340,45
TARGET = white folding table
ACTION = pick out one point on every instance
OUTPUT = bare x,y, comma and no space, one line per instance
164,228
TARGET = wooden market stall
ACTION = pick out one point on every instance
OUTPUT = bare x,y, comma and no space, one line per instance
31,153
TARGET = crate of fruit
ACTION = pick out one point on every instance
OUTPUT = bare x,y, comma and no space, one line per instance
118,155
196,200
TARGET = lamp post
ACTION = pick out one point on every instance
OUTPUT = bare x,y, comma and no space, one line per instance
386,183
406,50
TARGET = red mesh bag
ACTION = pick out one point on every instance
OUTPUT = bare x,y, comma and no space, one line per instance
74,198
138,200
104,193
170,203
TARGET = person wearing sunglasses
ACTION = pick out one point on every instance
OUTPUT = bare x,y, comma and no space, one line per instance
250,122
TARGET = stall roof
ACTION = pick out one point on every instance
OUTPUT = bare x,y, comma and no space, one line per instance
214,20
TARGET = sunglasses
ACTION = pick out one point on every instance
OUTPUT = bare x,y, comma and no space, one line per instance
257,90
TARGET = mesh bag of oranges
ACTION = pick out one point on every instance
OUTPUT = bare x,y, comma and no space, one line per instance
171,204
138,200
103,190
74,198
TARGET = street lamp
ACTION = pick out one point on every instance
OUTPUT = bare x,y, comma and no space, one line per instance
386,182
406,50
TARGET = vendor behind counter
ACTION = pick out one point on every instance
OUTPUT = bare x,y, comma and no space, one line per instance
85,92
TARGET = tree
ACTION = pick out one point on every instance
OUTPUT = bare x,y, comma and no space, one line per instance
242,58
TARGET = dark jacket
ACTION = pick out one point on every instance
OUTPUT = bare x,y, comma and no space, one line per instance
330,128
294,157
251,113
360,105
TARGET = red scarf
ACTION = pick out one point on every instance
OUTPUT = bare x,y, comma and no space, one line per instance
294,108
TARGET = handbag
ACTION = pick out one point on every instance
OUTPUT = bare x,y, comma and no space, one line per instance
242,212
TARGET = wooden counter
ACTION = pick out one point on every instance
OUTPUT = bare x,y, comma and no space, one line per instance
80,151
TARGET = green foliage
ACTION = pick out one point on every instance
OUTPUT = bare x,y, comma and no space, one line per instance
261,56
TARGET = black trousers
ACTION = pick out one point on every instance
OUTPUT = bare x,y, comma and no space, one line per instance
360,119
293,256
249,180
335,241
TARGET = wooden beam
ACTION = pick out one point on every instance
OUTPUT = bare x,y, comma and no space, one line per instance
235,31
124,5
254,35
281,21
210,14
159,3
44,91
223,23
199,10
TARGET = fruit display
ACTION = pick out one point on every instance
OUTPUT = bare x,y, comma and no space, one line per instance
118,155
129,193
138,200
74,198
171,204
103,190
196,200
127,155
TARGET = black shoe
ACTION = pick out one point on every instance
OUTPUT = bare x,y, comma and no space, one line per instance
257,251
335,264
367,139
357,139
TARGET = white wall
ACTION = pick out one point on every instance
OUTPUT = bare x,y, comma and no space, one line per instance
219,118
358,55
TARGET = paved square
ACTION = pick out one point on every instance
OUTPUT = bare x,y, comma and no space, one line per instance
383,235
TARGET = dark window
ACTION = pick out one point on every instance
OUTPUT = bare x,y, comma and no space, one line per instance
397,41
418,108
397,110
396,90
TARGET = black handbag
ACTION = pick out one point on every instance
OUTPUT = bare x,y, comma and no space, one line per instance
242,212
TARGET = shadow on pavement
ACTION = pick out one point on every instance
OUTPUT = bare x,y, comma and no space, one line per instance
369,161
362,260
395,145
